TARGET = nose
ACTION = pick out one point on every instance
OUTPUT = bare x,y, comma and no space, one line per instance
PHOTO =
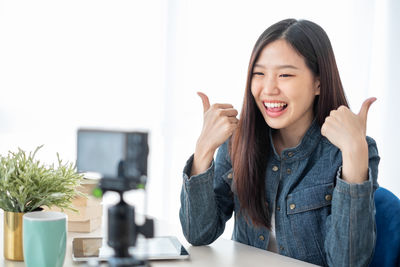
270,86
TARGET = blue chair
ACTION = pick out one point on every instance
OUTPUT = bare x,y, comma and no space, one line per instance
387,248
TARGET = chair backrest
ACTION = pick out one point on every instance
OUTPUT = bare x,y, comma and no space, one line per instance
387,248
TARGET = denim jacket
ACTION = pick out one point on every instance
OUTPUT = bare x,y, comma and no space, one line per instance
319,218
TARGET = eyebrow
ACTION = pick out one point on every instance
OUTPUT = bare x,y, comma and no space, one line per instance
278,66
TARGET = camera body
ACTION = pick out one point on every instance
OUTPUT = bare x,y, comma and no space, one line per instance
118,157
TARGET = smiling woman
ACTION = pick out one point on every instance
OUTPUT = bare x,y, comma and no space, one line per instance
297,168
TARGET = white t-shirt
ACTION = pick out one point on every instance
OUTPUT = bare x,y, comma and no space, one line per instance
272,244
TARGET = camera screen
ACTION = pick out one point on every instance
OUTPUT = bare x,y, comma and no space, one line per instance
100,151
113,154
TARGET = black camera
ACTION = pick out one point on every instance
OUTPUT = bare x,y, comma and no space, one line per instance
120,159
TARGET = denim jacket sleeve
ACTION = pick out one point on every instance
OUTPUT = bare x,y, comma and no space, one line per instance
351,236
206,200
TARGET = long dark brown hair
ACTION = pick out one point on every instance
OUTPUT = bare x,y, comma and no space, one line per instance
250,143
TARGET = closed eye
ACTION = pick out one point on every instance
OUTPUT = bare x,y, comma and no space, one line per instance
285,75
258,73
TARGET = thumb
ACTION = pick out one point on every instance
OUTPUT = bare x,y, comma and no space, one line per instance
365,107
204,99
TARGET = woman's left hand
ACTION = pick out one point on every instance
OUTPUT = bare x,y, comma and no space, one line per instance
347,131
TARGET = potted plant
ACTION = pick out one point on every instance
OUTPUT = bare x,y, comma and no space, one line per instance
27,185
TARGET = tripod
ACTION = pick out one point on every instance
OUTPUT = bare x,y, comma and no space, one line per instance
122,233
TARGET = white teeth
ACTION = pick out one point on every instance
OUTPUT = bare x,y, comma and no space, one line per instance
274,105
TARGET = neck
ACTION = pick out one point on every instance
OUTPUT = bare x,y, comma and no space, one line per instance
290,137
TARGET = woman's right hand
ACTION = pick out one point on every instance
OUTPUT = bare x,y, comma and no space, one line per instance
218,125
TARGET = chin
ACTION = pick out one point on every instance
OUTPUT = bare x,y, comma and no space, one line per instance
275,124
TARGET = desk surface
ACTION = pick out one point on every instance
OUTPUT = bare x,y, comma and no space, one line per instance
222,252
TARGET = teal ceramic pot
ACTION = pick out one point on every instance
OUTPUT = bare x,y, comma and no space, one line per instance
44,238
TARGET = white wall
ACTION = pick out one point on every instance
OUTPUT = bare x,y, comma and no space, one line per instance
71,64
389,85
138,65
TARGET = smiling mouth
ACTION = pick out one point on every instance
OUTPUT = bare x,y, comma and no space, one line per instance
275,106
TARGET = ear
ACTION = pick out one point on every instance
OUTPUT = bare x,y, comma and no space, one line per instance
317,86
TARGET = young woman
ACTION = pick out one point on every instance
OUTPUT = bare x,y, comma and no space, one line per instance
297,168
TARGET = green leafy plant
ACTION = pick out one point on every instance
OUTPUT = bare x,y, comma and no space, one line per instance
26,184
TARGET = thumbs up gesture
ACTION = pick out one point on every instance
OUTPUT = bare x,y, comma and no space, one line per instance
347,131
219,122
218,125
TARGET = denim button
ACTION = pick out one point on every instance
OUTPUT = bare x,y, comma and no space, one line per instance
278,208
230,176
261,237
292,206
290,154
281,248
275,168
289,171
328,197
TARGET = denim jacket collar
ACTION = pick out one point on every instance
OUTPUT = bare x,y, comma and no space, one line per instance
304,148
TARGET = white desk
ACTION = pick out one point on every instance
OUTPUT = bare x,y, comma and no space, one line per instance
222,252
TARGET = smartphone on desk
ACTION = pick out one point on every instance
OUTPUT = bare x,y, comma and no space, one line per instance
156,248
